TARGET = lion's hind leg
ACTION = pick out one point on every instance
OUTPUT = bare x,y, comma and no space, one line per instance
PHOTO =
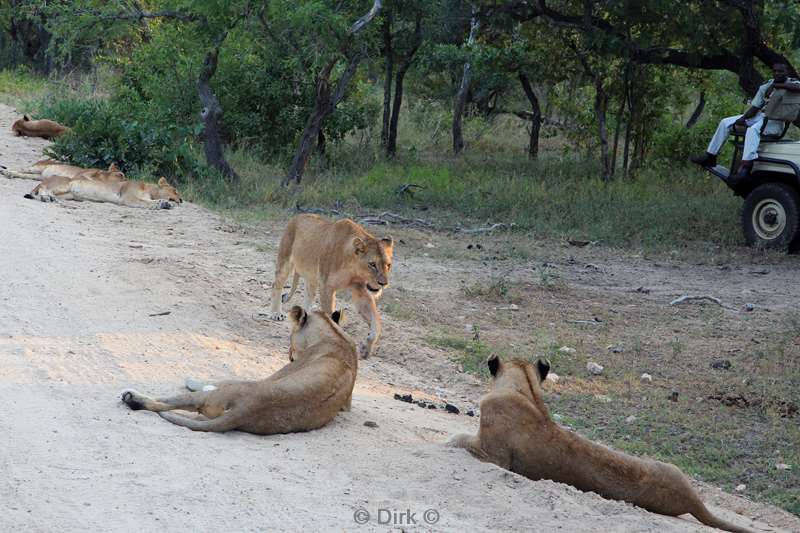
192,401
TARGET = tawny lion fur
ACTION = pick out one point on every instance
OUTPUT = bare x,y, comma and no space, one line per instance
517,433
50,168
305,394
47,129
333,256
92,188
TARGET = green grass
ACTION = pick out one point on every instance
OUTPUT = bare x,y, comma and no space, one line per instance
19,86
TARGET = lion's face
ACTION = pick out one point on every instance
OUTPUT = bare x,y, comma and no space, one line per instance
518,375
374,261
310,328
115,173
17,126
167,192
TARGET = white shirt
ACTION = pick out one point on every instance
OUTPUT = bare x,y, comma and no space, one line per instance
761,96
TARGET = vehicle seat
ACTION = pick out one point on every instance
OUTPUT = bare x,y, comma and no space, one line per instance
739,131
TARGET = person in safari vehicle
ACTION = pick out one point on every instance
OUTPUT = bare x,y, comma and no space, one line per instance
753,118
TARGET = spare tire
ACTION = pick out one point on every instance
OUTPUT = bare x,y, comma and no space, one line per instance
771,216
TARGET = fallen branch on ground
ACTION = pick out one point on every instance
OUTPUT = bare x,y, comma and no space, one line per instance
387,217
688,298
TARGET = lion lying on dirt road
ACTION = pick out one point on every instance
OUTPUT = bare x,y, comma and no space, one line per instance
104,187
46,129
305,394
50,168
517,433
333,256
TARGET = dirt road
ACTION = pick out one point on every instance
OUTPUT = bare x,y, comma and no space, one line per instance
84,298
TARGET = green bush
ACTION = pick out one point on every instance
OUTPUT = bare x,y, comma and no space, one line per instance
124,131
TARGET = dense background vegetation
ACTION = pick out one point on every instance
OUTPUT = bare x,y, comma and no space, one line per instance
563,117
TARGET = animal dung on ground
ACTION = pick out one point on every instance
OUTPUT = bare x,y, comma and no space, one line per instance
404,397
450,408
370,424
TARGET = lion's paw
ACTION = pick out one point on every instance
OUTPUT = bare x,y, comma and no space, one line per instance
132,399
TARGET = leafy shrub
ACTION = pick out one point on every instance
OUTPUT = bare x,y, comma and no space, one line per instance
124,131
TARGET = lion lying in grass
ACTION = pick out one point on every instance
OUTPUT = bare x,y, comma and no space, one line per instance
46,129
517,433
305,394
103,186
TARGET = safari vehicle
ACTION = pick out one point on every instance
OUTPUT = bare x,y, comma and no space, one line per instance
771,211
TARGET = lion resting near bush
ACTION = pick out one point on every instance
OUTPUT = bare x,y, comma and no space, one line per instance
306,394
103,186
334,256
46,129
517,433
50,168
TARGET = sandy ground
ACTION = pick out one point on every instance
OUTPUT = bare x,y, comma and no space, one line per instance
81,285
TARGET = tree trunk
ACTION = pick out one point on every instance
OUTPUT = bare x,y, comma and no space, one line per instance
697,110
463,90
600,108
620,118
212,116
536,116
391,145
324,105
388,55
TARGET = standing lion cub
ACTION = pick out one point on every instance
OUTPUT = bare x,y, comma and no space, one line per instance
517,433
333,256
306,394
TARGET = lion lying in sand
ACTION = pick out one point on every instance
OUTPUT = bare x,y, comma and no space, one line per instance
334,256
103,186
306,394
46,129
517,433
50,168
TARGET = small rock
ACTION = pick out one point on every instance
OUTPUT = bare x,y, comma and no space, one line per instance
370,424
615,349
673,396
421,403
470,413
783,466
431,406
552,376
646,378
741,487
749,307
404,398
135,245
567,349
593,368
450,408
630,419
430,245
721,364
557,417
511,307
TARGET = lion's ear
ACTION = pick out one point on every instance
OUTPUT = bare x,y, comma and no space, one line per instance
162,182
493,363
543,367
338,316
387,241
298,315
25,118
359,246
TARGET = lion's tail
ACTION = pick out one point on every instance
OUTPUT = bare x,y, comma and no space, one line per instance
228,421
21,175
704,515
295,282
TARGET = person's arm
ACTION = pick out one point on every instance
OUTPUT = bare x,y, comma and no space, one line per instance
750,113
791,86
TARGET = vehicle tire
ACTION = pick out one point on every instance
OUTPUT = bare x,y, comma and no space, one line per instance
771,216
